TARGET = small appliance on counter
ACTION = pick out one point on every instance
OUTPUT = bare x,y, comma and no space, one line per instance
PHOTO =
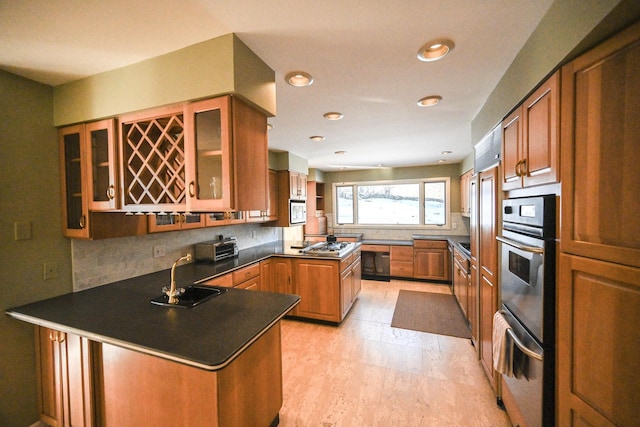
215,250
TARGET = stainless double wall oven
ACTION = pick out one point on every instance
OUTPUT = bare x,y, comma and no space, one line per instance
528,303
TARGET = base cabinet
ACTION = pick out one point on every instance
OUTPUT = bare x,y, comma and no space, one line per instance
65,378
431,260
84,383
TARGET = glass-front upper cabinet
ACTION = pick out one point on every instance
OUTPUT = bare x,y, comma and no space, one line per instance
75,207
208,153
102,165
88,166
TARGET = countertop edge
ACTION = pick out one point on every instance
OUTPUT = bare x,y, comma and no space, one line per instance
143,349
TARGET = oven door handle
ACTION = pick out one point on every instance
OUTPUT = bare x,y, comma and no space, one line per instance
522,247
522,347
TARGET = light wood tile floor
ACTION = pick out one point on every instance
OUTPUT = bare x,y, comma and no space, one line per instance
366,373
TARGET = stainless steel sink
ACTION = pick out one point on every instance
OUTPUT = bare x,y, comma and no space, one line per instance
192,296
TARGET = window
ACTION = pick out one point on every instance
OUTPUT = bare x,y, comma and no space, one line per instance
408,203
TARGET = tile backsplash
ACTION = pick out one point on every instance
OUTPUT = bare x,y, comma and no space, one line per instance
97,262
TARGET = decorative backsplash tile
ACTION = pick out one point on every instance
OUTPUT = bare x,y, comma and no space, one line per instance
98,262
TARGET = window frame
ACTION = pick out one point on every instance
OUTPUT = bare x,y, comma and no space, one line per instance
421,210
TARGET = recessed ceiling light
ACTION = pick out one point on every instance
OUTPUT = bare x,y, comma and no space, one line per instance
446,152
299,79
441,161
340,153
333,115
435,50
317,138
429,101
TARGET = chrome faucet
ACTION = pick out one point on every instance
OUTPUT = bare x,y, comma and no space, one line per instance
174,293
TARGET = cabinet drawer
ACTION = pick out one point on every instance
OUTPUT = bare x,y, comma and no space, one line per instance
375,248
252,284
246,273
401,253
401,268
222,281
460,258
346,261
430,244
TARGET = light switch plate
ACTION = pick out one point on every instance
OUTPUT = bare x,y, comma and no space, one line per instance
22,230
50,270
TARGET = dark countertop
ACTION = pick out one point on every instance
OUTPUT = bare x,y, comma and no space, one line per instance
208,336
453,240
387,242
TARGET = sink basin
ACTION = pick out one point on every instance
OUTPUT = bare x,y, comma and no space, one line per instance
192,296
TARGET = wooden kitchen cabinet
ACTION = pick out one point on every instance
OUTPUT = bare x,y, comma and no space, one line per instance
317,281
488,291
598,292
600,173
217,219
316,219
281,276
461,281
401,261
297,185
88,184
65,378
172,222
530,139
465,206
152,160
226,156
431,260
247,277
271,213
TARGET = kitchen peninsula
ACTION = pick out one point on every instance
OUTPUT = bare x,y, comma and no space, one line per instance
119,360
108,356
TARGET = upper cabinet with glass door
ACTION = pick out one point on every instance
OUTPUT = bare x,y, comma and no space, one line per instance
87,162
226,156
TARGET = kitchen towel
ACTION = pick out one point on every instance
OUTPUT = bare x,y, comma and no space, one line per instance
502,345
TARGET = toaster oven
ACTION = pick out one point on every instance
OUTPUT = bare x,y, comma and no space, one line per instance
217,249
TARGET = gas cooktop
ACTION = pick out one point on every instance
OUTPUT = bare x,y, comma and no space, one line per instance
332,249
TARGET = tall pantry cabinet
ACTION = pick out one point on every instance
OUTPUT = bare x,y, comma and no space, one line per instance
599,271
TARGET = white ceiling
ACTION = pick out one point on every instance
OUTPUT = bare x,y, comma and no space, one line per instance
362,55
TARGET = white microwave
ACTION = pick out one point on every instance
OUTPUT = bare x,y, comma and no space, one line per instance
297,212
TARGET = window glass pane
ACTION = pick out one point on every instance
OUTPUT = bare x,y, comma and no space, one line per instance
434,203
344,204
389,204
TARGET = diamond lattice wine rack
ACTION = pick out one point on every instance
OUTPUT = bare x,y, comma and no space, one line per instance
154,162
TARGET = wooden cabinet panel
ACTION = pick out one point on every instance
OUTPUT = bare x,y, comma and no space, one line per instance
65,378
102,165
317,283
465,206
281,277
599,342
171,222
271,213
600,173
266,272
225,281
530,136
401,261
488,211
431,260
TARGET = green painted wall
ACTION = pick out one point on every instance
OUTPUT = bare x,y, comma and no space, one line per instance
219,66
565,26
30,184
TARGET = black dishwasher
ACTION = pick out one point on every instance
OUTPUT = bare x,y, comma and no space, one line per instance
375,265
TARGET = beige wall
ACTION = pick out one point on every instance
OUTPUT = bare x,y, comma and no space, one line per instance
29,179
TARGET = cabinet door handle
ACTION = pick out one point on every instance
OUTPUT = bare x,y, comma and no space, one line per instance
523,167
192,189
111,192
83,221
518,168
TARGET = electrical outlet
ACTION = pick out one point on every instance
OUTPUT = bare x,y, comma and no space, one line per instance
454,225
159,251
253,234
50,270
